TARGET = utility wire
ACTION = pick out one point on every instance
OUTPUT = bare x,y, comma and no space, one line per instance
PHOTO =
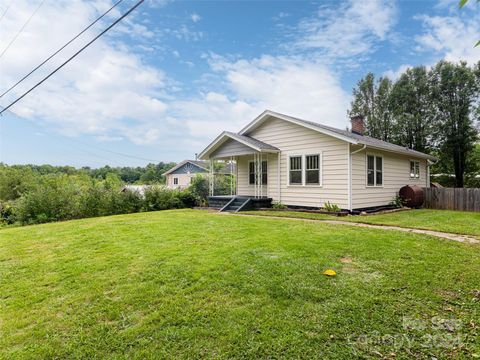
21,29
8,7
115,152
73,56
63,47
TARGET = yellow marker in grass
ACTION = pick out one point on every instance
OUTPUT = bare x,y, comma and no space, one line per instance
329,272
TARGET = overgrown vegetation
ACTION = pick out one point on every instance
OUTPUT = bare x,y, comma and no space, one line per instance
30,196
432,110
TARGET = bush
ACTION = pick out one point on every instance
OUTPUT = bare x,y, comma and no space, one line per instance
7,213
278,205
199,189
331,207
161,198
397,201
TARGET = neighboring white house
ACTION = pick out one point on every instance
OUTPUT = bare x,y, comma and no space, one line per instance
180,176
303,163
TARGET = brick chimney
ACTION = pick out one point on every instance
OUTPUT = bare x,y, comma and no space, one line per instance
358,124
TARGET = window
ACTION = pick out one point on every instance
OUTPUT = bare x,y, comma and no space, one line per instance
295,175
312,169
175,181
252,172
264,173
374,170
414,169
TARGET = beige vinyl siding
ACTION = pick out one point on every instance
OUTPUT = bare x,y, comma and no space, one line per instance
244,188
292,140
183,180
396,173
231,148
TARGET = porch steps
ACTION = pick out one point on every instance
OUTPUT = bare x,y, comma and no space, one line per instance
236,204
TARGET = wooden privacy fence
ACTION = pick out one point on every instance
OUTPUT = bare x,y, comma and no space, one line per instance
452,199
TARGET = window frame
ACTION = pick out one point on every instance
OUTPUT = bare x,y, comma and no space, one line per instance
303,170
254,168
415,175
319,170
175,181
375,156
289,167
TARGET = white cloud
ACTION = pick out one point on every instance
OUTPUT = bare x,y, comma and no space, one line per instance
451,37
348,29
195,17
395,74
294,86
98,92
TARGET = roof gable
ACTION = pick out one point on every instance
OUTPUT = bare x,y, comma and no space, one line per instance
245,141
267,114
200,165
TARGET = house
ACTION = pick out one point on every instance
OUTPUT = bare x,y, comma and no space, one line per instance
304,163
180,176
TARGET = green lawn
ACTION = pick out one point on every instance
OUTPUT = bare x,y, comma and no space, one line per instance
457,222
192,284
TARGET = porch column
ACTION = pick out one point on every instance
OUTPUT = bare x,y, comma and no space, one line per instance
231,175
211,180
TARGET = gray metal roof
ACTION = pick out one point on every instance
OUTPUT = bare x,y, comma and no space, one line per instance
361,139
252,141
227,169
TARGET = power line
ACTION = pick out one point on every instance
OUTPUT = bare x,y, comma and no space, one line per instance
73,56
116,152
21,29
63,47
8,7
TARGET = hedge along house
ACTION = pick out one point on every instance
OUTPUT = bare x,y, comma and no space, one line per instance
302,163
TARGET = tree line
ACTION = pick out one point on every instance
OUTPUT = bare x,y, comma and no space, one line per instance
433,110
149,174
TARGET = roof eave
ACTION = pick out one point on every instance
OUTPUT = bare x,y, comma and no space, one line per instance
406,152
268,113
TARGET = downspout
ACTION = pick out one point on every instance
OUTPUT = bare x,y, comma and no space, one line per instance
279,190
350,173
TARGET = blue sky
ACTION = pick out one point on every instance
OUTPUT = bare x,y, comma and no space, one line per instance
176,73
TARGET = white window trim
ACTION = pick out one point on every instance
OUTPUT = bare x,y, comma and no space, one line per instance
175,181
375,186
415,178
304,169
248,173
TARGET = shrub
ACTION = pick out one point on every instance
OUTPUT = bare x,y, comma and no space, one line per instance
199,189
331,207
161,198
397,201
56,198
7,213
278,205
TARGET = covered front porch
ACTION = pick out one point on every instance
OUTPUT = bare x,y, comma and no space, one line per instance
256,164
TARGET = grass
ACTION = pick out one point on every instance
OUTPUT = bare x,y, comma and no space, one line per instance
456,222
191,284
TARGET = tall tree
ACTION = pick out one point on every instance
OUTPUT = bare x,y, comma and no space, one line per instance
455,93
370,99
411,105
